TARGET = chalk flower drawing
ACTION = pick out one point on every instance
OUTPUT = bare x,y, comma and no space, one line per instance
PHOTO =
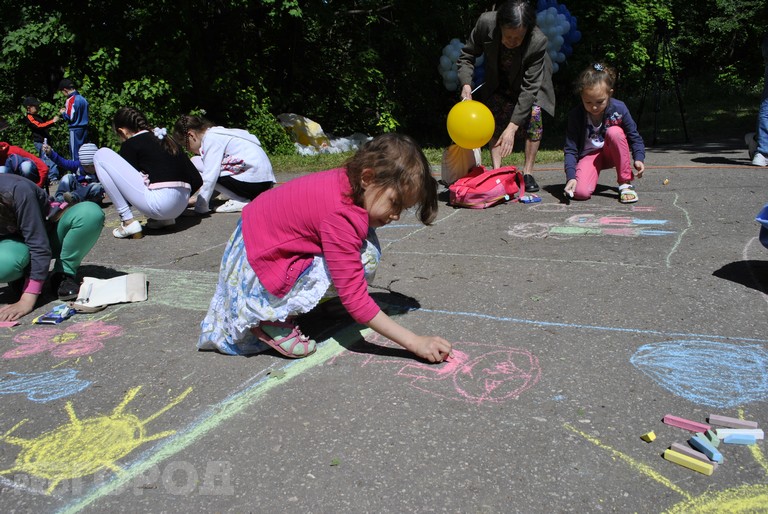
84,447
64,342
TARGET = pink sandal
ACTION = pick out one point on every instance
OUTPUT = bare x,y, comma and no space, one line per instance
285,344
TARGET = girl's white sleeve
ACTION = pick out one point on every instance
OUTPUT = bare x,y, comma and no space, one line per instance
212,151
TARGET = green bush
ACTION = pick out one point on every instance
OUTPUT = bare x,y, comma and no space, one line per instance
263,124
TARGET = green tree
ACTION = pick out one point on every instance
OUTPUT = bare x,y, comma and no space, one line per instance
351,65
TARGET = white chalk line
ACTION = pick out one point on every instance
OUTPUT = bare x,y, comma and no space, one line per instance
681,234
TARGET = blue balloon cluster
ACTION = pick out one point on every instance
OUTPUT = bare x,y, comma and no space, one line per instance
557,23
448,67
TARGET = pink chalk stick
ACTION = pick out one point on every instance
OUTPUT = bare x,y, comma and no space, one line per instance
8,324
686,424
725,421
687,450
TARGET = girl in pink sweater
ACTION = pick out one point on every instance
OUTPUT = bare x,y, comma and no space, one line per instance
313,238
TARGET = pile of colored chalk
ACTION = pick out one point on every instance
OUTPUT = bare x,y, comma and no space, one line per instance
703,451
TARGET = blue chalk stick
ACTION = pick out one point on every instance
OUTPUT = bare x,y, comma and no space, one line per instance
701,443
740,439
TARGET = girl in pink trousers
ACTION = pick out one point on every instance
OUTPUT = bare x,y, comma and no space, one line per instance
601,134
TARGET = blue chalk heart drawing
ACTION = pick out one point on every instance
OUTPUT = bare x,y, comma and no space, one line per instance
43,387
705,372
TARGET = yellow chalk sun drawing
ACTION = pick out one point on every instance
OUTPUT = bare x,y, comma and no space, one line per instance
83,447
739,500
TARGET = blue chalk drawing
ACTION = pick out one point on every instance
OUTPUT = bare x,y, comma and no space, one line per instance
43,387
647,232
706,372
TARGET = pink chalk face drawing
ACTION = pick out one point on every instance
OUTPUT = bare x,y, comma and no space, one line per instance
477,373
63,341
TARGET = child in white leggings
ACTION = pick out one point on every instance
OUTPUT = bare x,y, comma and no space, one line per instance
150,173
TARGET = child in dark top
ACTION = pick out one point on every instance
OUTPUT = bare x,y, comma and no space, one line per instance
30,237
151,173
601,134
82,184
39,128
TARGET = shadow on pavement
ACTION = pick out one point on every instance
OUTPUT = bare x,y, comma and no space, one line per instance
329,318
721,161
752,274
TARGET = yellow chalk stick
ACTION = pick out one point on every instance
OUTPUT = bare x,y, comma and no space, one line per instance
688,462
649,437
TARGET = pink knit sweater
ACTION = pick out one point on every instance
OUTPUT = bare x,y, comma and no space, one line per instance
285,227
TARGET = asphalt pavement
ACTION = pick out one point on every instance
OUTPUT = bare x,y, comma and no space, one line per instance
576,327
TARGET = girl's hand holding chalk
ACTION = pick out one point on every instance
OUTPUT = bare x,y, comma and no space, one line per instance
432,348
570,187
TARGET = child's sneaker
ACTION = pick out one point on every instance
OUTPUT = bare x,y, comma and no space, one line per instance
231,206
67,287
70,198
759,160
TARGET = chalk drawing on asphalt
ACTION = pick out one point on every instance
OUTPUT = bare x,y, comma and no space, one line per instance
83,447
592,225
63,341
715,374
477,373
43,387
737,500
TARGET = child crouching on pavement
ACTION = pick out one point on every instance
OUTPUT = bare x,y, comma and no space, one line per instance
312,238
82,184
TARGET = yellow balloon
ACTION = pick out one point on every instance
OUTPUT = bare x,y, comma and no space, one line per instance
470,124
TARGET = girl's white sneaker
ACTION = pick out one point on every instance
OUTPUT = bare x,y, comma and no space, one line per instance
231,206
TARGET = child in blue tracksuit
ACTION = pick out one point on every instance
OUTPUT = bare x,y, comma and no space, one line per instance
81,185
75,111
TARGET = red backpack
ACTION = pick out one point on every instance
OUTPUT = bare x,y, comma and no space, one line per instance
483,188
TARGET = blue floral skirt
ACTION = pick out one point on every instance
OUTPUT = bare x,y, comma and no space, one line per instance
241,302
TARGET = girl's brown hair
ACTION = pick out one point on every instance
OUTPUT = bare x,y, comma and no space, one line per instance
398,164
135,121
187,122
594,74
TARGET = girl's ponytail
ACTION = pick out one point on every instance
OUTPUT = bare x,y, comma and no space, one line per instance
187,122
135,121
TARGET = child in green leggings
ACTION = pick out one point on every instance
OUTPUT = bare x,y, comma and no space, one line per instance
30,238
